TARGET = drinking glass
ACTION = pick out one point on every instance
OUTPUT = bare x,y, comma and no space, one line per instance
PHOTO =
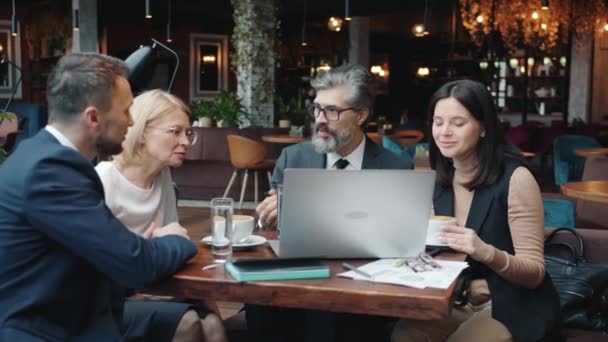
222,210
279,202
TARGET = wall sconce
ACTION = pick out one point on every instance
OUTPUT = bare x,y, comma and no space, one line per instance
483,65
513,63
547,61
563,61
606,27
335,24
1,49
423,72
148,12
208,59
75,19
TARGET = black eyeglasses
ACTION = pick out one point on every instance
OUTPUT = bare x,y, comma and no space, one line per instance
331,113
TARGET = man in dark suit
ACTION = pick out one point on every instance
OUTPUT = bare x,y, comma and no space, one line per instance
66,261
340,109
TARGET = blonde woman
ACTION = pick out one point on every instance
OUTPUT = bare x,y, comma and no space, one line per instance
139,192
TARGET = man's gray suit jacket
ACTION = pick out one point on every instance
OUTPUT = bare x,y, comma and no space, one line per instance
304,156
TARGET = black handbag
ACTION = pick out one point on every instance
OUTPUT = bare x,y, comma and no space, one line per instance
582,287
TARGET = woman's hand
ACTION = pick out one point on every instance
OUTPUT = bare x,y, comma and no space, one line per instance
465,240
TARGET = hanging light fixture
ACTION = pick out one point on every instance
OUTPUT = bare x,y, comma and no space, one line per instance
420,30
169,39
544,5
304,42
75,19
148,12
14,31
524,24
347,16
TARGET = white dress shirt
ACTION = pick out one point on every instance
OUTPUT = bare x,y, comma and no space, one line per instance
355,158
63,140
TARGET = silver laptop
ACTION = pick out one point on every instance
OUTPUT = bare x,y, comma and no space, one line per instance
354,214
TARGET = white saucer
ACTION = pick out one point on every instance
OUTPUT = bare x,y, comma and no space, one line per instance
254,240
436,244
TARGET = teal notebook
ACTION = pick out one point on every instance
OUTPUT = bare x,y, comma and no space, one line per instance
276,269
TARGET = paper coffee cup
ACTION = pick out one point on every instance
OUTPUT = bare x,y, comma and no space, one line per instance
436,224
243,227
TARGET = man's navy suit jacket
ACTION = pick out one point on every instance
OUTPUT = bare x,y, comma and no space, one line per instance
65,260
304,156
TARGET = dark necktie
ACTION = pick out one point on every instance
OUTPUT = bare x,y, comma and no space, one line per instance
341,164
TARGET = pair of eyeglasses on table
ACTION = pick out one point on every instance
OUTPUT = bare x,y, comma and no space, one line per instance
421,263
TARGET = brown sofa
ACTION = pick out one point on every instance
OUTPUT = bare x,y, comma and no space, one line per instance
595,242
207,169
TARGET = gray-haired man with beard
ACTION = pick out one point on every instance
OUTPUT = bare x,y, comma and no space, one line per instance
340,109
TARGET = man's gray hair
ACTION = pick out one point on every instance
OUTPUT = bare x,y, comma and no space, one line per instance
355,75
80,80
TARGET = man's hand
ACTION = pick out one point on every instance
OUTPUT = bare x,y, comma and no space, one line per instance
267,210
170,229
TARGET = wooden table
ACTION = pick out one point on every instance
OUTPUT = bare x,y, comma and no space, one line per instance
589,152
283,139
596,191
333,294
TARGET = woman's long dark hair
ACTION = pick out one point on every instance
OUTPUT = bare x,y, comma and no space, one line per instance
491,149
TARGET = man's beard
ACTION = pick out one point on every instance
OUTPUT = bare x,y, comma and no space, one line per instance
334,142
107,148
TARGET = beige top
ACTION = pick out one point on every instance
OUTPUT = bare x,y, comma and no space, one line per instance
526,222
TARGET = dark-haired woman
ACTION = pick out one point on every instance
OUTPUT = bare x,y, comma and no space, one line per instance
485,184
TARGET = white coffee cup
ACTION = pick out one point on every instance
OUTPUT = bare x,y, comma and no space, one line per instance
436,224
243,227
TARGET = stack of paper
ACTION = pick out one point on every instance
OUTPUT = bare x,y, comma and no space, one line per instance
386,271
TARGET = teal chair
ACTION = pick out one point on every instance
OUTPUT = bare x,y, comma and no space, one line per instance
398,149
567,166
558,212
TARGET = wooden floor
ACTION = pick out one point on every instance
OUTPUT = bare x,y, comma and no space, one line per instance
196,220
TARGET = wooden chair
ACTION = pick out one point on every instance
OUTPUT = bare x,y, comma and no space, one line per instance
247,155
408,137
376,137
8,132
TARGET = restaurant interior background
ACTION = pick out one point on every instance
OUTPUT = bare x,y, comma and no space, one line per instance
527,67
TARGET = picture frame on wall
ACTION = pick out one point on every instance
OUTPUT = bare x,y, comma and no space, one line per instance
208,64
11,51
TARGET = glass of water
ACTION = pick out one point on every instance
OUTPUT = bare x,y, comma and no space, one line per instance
279,203
222,210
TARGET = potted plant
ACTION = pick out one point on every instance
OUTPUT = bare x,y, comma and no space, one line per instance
290,111
203,111
229,111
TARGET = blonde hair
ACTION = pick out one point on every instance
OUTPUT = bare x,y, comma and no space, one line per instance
147,107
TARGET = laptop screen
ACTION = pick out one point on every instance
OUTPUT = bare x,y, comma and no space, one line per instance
354,214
